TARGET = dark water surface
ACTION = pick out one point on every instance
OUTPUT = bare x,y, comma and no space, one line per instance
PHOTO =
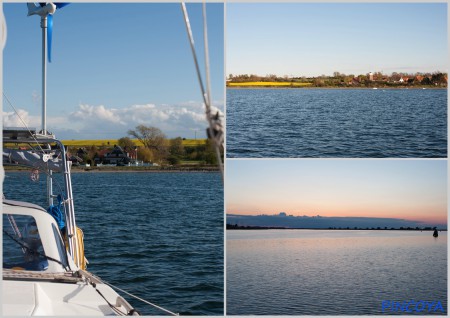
156,235
350,123
326,272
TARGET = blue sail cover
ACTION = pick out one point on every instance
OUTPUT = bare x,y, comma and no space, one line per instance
55,211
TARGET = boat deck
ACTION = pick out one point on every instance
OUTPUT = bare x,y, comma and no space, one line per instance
67,277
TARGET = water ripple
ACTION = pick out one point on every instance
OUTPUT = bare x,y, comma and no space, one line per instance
156,235
307,272
336,123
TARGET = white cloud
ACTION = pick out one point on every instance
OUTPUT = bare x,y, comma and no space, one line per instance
97,122
11,119
96,113
24,119
174,120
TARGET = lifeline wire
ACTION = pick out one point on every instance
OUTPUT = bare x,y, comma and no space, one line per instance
143,300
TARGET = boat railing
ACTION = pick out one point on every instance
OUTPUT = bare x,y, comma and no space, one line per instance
43,156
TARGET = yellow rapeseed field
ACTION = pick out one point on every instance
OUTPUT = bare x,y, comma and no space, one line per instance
112,142
193,142
93,142
269,84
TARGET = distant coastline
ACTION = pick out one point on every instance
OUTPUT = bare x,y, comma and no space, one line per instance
338,88
340,80
233,227
284,221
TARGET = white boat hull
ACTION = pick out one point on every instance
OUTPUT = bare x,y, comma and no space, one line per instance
49,298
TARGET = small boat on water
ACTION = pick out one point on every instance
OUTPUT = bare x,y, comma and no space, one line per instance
435,233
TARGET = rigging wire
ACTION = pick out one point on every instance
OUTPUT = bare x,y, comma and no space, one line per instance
138,298
215,129
92,279
207,70
23,122
113,308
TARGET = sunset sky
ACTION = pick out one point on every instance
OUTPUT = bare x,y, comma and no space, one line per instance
406,189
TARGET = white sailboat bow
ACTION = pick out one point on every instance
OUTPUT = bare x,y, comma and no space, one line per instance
44,266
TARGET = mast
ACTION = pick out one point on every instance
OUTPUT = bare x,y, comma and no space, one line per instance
45,11
44,102
44,74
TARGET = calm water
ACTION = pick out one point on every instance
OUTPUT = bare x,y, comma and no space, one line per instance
348,123
322,272
156,235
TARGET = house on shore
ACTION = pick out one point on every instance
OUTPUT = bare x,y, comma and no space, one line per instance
117,157
78,157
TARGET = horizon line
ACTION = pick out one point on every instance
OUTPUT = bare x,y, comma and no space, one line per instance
320,216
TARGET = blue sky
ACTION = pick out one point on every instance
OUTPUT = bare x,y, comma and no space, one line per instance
311,39
405,189
114,66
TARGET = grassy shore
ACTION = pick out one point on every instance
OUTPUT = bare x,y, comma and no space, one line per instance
84,169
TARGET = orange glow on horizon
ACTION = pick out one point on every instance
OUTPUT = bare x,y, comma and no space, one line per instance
414,190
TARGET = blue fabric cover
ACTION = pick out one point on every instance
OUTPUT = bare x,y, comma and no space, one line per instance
57,213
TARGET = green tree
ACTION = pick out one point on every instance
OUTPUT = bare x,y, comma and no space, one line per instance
153,139
92,154
126,143
439,78
145,155
176,151
426,81
209,153
176,147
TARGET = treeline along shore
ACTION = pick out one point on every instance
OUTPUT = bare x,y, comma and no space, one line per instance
250,227
149,150
284,221
341,80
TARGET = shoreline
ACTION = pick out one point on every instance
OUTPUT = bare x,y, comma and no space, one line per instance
145,171
128,170
256,228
